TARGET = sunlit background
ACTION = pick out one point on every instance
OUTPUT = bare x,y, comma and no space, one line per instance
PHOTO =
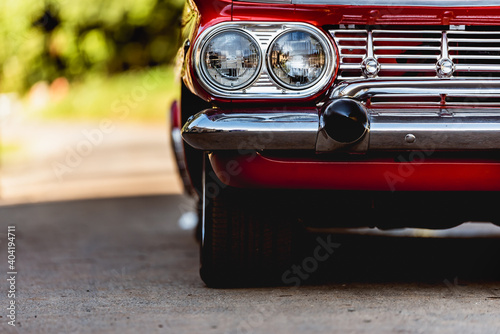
85,87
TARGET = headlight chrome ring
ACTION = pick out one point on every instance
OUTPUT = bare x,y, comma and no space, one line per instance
297,58
231,59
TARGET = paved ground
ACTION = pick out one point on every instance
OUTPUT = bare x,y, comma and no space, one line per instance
125,266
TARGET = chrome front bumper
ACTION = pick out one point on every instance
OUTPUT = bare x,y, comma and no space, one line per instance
214,130
435,128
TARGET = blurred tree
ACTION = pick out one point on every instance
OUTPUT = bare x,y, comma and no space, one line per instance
44,40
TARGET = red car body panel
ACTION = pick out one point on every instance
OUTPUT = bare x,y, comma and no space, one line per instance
253,170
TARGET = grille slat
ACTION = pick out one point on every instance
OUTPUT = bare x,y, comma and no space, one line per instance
452,100
470,40
351,39
482,48
403,39
387,31
408,56
475,57
405,67
424,48
477,68
475,52
355,47
465,32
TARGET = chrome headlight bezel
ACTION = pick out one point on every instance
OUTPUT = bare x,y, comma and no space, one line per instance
264,85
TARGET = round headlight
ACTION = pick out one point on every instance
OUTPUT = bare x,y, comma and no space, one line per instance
297,59
231,59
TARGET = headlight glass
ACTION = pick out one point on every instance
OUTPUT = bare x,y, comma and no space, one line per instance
297,59
231,59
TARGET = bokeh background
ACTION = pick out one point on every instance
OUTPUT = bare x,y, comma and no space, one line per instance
85,87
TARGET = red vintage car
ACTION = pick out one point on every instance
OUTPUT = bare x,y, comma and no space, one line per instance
333,113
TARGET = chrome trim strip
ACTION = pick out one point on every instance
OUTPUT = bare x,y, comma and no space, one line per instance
213,130
396,67
433,32
405,39
466,32
363,89
445,54
474,40
406,56
413,48
478,68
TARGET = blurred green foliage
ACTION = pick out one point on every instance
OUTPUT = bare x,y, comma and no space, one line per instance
44,40
133,96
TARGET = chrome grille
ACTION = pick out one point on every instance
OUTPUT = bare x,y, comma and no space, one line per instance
475,53
352,48
433,101
413,54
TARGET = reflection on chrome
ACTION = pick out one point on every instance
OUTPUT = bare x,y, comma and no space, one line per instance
297,59
466,230
231,59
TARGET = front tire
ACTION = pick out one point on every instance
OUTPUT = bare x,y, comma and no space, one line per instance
247,235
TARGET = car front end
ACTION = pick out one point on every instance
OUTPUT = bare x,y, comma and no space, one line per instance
394,106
